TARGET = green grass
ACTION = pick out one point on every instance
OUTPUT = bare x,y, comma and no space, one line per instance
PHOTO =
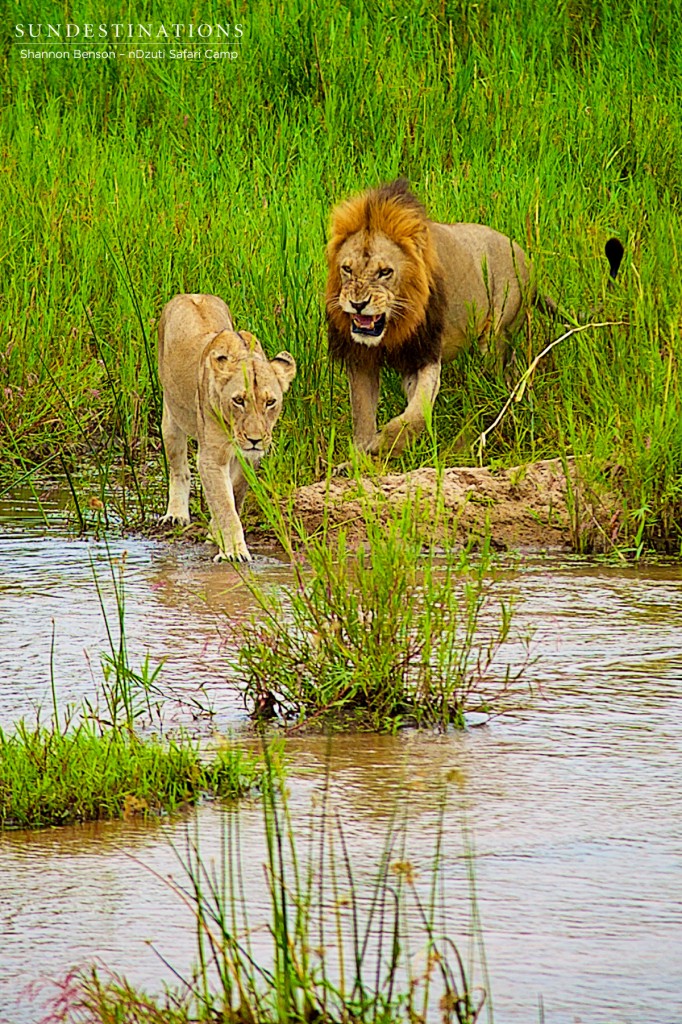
96,762
378,635
123,183
347,941
53,776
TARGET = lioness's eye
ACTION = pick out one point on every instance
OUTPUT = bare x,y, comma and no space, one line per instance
385,272
270,402
238,400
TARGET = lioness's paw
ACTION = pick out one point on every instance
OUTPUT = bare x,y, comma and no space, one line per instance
237,556
171,519
233,550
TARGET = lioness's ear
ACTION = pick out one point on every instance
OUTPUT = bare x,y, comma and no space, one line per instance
226,353
284,366
251,342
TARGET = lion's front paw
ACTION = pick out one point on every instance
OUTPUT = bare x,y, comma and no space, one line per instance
390,441
373,447
362,461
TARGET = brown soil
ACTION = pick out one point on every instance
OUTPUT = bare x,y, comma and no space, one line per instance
524,507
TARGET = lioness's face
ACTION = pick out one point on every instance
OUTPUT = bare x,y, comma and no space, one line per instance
370,271
249,390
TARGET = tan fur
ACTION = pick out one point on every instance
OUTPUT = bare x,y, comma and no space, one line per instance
219,387
418,293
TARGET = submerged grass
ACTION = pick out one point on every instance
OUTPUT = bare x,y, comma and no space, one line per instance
339,941
127,181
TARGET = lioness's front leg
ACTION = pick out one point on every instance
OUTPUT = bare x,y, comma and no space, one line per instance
364,400
240,485
175,443
421,389
226,525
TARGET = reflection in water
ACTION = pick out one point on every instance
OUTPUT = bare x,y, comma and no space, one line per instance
179,608
573,804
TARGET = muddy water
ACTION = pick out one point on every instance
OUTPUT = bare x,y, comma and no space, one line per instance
573,804
58,601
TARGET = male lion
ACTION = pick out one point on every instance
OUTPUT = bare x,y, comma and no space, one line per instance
406,292
219,387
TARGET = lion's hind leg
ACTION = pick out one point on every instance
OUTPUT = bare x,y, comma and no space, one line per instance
175,443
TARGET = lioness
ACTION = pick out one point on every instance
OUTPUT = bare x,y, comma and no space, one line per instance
406,292
219,387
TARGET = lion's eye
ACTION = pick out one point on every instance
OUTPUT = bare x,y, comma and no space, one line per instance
270,402
346,269
238,401
385,272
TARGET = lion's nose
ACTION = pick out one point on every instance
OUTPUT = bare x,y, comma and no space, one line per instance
359,306
254,441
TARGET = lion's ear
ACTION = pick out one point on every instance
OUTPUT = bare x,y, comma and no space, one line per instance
284,366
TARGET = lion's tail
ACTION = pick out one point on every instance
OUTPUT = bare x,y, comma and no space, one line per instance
546,305
614,251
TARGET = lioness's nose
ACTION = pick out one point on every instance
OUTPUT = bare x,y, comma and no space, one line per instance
253,441
359,306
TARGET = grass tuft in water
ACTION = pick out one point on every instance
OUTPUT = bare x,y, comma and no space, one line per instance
91,763
388,633
59,776
338,940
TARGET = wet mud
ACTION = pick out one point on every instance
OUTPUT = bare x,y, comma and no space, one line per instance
526,507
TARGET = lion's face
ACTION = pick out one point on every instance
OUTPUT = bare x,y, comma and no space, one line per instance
382,266
246,390
371,270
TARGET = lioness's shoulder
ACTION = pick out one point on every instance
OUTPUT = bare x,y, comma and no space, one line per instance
190,316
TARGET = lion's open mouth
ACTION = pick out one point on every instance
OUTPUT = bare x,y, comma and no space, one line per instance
371,326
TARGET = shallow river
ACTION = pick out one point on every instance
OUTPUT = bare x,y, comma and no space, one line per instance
573,805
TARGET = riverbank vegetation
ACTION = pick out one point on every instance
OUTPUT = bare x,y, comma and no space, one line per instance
52,775
127,181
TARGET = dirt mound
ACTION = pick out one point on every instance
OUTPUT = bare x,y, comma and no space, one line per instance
523,507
